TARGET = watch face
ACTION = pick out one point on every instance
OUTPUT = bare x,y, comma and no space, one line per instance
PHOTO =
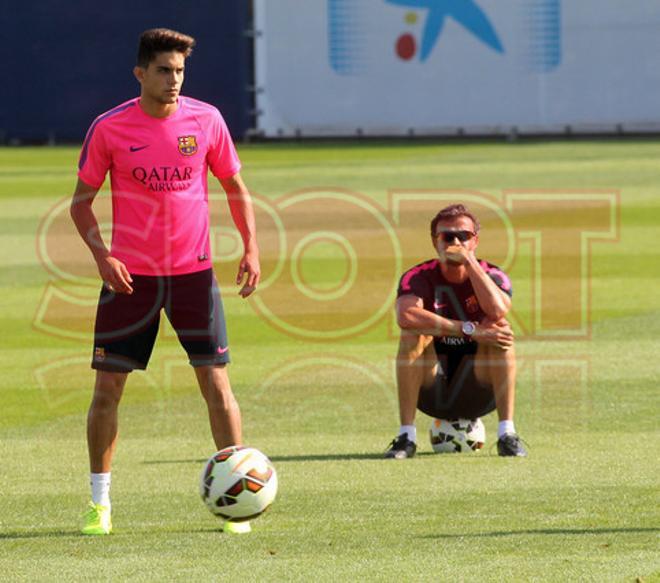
469,328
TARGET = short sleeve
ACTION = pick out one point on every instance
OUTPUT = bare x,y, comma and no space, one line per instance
222,157
500,278
414,284
95,159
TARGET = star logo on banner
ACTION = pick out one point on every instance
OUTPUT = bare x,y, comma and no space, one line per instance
466,12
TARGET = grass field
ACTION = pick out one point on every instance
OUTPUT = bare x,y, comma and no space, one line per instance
313,371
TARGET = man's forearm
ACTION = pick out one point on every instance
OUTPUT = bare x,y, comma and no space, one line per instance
85,220
242,213
421,321
492,300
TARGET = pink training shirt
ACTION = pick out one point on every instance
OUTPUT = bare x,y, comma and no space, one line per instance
158,176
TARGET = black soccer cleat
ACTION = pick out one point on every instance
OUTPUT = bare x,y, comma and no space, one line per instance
509,445
401,448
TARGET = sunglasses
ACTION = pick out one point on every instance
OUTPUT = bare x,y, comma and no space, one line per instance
449,236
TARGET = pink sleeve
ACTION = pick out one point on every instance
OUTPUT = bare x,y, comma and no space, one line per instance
95,159
500,278
222,157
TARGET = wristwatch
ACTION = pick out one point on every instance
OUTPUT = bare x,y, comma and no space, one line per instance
468,329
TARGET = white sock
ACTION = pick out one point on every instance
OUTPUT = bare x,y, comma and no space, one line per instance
100,488
411,430
505,426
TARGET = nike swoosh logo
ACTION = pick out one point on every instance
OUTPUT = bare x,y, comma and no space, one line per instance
138,148
222,350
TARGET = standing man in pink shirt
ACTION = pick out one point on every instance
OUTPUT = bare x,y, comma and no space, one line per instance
158,149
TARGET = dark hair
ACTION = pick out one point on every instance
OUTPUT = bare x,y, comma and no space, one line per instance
451,212
162,40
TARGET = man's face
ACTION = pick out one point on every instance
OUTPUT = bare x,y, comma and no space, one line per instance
458,231
162,80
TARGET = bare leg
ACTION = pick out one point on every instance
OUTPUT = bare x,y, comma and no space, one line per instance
224,413
102,419
415,366
497,368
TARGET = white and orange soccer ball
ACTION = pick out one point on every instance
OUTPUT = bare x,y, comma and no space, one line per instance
238,483
457,435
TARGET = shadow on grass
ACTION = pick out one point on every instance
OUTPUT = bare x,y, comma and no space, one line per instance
188,461
550,531
289,458
45,534
326,457
40,534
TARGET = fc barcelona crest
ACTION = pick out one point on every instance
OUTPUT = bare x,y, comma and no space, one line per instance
472,304
187,145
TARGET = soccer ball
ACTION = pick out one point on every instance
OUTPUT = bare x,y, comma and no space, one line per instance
457,435
238,483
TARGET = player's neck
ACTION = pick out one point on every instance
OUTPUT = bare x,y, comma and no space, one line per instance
157,109
454,273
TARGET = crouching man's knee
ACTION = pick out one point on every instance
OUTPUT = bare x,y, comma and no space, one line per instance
413,346
495,336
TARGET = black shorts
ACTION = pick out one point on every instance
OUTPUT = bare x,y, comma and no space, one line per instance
127,325
457,395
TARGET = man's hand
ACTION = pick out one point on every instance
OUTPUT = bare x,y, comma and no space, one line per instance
494,333
458,254
242,213
115,275
249,270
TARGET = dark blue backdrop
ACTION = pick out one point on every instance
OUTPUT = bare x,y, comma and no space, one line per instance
66,61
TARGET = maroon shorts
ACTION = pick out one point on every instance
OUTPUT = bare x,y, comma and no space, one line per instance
127,325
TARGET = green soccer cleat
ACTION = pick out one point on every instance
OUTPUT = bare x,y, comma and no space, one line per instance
97,520
236,527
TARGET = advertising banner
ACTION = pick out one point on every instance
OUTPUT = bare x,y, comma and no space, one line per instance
434,67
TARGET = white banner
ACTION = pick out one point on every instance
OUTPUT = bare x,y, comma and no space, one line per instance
391,67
